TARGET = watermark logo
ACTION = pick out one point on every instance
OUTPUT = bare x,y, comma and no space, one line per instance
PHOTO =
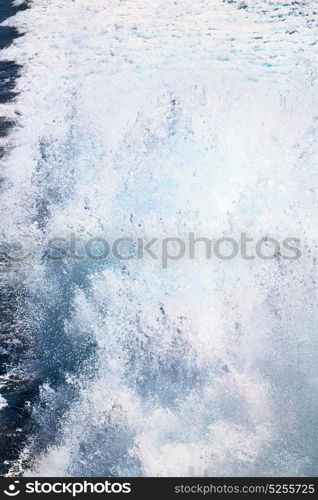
163,250
68,487
12,490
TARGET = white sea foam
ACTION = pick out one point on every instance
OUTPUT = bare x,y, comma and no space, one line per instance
3,402
17,3
159,118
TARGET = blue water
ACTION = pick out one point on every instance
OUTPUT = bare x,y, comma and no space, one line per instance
157,119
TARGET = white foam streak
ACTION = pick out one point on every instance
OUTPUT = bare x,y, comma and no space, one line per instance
3,402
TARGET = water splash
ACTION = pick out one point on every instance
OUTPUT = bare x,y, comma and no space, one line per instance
150,119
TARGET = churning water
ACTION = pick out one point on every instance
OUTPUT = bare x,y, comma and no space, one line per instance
151,118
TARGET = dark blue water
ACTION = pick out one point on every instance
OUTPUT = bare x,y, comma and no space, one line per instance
13,418
9,70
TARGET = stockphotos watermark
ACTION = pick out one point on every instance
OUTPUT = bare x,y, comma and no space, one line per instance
73,488
163,250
